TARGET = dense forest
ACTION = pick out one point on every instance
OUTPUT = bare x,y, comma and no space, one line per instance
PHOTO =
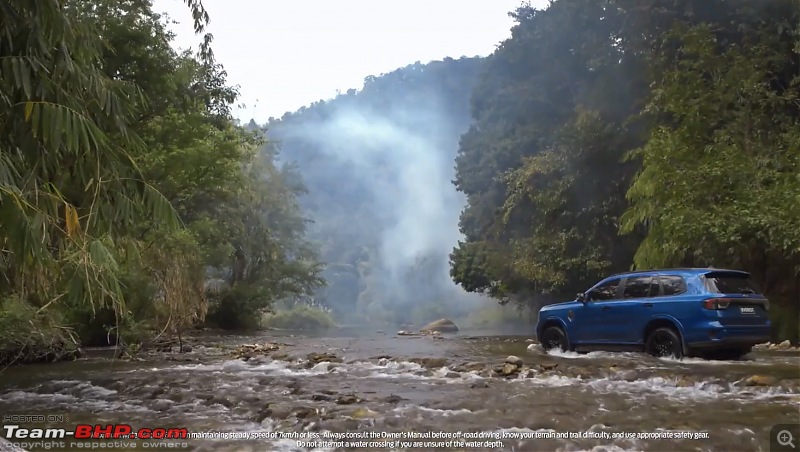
378,164
132,204
618,134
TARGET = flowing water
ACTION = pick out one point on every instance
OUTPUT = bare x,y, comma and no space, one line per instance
389,388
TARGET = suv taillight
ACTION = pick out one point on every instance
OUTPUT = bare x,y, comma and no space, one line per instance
716,303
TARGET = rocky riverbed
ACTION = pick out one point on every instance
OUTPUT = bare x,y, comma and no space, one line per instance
499,387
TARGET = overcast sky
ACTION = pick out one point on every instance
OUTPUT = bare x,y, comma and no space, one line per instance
288,53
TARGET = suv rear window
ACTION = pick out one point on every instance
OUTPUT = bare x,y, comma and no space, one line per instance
672,284
730,283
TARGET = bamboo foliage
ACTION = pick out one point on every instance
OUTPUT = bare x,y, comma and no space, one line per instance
69,186
103,129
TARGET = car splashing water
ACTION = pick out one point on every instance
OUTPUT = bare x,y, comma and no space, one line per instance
382,383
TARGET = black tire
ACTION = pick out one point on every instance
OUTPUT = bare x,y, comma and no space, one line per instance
554,338
663,343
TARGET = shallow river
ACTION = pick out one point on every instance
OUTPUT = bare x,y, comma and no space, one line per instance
389,384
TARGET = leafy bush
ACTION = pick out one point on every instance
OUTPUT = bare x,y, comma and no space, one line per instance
28,335
300,317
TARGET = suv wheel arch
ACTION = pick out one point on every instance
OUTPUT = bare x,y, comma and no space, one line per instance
672,324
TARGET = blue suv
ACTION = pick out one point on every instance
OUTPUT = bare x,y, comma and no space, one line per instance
704,312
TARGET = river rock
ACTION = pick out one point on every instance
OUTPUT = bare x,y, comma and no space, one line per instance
479,384
315,358
510,369
515,360
507,369
430,363
760,380
320,397
347,399
441,325
473,366
247,351
304,412
363,413
186,348
393,399
785,345
548,366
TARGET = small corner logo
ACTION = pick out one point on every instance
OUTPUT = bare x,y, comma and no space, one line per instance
784,437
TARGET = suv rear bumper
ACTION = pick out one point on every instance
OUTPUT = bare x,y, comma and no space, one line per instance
717,336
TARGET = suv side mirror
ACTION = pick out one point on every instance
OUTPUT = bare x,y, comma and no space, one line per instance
581,297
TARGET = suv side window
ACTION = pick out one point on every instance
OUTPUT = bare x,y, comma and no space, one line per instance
672,285
605,291
637,287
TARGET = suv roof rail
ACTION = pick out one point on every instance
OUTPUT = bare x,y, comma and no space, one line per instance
685,269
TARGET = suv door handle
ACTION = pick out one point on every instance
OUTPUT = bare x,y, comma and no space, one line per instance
648,305
606,308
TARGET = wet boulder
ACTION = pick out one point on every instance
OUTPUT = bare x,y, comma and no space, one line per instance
441,325
761,380
515,360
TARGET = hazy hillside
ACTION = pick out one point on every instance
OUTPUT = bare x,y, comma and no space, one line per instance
378,164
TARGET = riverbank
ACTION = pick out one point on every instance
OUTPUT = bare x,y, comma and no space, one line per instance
348,381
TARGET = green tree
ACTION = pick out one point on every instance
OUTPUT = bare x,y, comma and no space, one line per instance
719,181
542,164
